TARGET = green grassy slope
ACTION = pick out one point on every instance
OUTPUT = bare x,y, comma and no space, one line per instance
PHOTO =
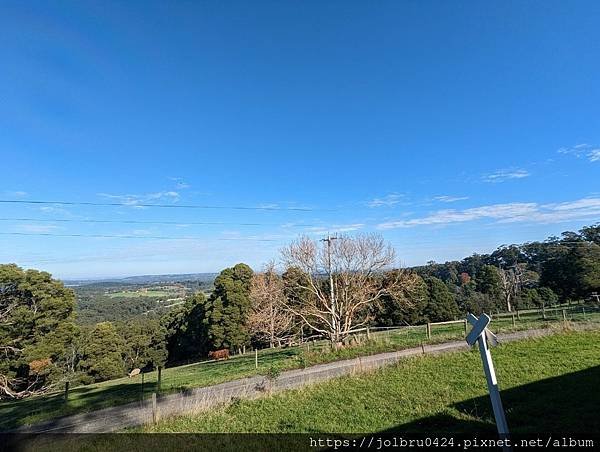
124,390
548,384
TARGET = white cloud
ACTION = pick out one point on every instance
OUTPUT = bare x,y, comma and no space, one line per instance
136,200
16,194
506,174
445,198
319,230
592,153
271,205
180,184
507,213
56,211
38,228
386,201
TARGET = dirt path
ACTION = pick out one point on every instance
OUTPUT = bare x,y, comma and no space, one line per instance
139,413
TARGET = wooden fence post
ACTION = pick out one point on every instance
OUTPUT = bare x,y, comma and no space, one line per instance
583,311
428,330
368,334
244,350
544,312
154,409
256,358
564,315
159,378
518,315
66,391
466,327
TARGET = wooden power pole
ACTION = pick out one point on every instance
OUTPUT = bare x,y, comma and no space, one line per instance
329,239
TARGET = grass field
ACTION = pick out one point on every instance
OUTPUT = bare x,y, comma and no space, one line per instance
138,294
548,385
124,390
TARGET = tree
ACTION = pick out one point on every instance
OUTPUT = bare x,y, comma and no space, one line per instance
489,282
547,296
144,343
442,305
227,309
37,325
186,331
591,233
510,285
403,307
583,269
103,353
269,320
342,279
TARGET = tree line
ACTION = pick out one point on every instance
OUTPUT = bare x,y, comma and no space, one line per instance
329,289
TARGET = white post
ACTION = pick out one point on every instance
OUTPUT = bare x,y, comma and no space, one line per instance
479,333
492,383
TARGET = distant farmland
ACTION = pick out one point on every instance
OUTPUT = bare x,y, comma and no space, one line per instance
144,293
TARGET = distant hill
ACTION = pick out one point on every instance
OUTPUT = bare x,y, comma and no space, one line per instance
146,279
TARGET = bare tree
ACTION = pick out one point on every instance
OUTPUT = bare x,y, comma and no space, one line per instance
342,278
511,280
269,319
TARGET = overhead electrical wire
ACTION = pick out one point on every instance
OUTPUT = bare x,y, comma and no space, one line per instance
176,223
155,237
167,206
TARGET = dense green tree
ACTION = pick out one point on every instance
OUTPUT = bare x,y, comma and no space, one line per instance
506,256
144,343
489,283
573,270
186,331
36,328
591,233
402,308
547,296
103,352
583,264
441,304
228,307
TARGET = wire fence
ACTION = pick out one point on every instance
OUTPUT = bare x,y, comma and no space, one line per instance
270,361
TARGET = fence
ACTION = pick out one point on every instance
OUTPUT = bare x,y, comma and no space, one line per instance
201,399
269,362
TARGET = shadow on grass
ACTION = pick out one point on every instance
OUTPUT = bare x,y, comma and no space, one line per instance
565,404
15,414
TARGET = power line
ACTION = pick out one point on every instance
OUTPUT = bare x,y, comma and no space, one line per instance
167,206
204,223
155,237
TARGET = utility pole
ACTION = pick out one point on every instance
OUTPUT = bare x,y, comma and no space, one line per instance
329,239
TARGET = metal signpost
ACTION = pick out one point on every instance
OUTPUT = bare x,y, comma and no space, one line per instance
480,334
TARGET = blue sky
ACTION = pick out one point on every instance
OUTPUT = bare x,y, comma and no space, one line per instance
448,127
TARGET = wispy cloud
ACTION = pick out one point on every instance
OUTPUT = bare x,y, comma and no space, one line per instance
271,205
505,174
38,228
16,194
56,211
386,201
507,213
445,198
136,200
591,152
180,184
319,230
